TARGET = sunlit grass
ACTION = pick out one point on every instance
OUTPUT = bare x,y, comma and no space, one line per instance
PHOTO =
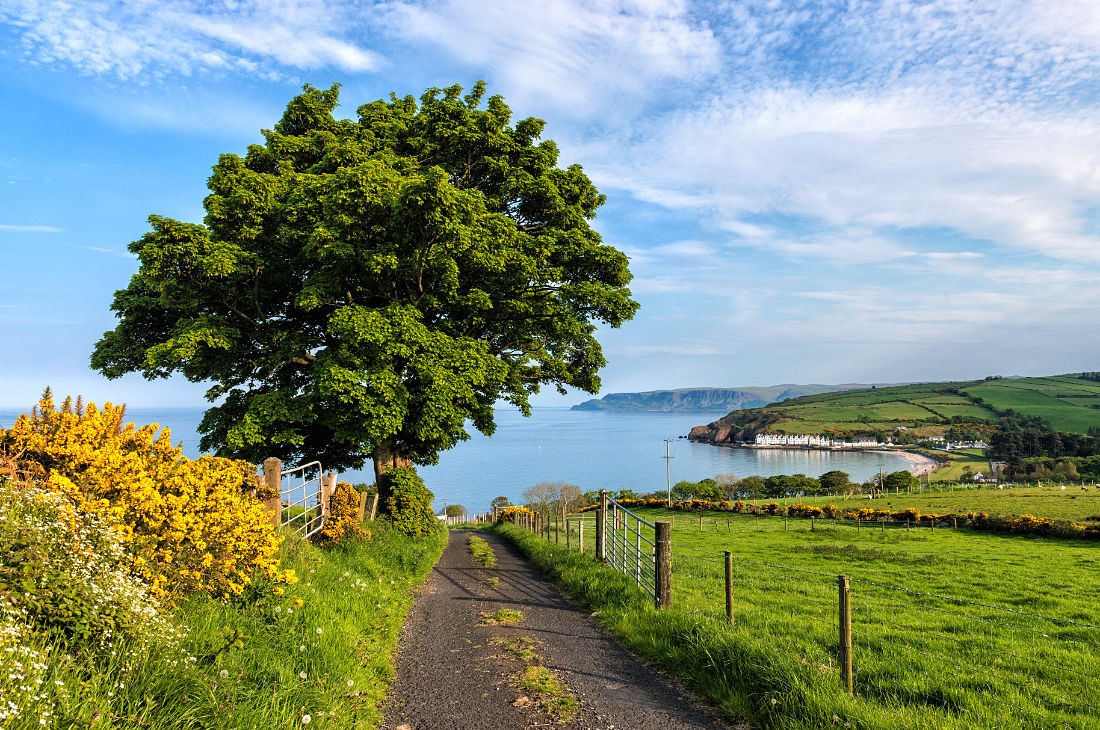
951,628
323,648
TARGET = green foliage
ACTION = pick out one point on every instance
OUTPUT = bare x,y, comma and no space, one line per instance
900,481
408,502
68,574
242,663
368,286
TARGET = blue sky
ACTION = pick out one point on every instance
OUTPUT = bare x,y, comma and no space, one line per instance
840,191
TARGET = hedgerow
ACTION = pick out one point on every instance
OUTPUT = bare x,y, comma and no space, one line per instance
1021,524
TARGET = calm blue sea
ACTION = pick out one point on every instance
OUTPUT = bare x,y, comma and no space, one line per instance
591,449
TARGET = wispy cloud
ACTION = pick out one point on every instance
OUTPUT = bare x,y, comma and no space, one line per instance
145,38
588,58
4,228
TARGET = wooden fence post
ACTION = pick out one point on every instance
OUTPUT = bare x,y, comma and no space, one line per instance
601,527
580,537
273,480
845,594
729,586
663,560
328,486
362,506
374,507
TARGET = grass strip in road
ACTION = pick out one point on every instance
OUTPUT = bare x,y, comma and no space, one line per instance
550,692
482,551
542,684
503,617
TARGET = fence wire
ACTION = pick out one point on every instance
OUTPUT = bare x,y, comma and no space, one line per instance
982,665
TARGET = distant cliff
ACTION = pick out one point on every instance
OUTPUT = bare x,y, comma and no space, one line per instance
705,399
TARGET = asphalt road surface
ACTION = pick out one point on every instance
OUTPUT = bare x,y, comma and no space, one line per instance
453,672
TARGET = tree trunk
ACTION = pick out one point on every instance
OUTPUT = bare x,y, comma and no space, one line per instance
386,457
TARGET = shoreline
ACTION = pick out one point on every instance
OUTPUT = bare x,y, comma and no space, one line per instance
919,464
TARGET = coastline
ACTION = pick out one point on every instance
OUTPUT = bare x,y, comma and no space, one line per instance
919,464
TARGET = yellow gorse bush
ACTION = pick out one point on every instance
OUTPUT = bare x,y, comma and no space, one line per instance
513,513
190,524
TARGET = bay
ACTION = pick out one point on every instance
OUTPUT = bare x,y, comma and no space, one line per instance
592,449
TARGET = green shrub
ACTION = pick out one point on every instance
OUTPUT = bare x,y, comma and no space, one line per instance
409,502
68,573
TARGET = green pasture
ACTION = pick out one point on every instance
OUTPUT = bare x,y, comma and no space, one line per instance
1058,400
952,629
1068,402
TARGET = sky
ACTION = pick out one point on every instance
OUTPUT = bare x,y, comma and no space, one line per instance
809,191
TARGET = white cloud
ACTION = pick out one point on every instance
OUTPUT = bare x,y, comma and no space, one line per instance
4,228
140,39
588,57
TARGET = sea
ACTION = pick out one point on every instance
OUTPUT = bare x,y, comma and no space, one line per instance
592,449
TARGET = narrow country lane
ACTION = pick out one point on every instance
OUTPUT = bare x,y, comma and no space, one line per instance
453,671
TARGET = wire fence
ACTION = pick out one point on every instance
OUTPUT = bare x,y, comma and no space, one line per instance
981,664
986,665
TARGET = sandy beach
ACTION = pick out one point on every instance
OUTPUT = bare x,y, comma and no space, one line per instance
919,464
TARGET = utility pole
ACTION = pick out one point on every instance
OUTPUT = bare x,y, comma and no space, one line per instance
668,471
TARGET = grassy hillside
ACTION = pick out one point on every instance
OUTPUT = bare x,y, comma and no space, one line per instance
1068,402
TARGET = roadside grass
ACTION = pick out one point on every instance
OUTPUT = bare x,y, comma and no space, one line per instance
951,628
323,648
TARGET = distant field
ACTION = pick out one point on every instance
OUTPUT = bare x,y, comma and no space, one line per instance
1065,402
1072,503
1068,402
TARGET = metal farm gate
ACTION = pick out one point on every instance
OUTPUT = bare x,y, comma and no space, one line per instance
302,498
630,545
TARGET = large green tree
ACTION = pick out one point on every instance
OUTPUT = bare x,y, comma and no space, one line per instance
364,287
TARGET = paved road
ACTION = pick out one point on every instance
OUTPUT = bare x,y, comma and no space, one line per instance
450,674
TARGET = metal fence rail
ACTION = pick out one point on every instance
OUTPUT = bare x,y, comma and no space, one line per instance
302,509
630,545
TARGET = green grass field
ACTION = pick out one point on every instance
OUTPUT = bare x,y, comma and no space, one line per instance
1068,402
952,629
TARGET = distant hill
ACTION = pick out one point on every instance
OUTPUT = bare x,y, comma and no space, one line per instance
1069,403
706,399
